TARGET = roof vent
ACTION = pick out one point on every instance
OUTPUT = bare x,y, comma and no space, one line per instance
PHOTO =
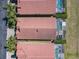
36,30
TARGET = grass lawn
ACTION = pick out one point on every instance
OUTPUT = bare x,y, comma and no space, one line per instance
72,34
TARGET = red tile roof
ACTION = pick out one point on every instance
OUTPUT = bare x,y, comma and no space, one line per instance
35,51
36,28
36,6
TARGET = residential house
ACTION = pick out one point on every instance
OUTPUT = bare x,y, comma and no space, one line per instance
36,28
34,34
35,50
36,6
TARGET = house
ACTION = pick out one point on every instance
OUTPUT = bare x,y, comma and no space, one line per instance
33,50
36,28
36,7
34,34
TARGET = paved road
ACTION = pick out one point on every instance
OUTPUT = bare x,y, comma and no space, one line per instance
3,29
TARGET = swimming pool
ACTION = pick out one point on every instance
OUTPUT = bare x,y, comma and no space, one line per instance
59,5
59,25
58,51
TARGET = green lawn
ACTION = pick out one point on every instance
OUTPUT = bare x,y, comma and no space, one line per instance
72,34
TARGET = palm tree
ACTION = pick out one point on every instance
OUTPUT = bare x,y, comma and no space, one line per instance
11,15
11,44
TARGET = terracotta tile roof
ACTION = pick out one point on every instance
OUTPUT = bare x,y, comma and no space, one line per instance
36,6
36,22
35,51
36,28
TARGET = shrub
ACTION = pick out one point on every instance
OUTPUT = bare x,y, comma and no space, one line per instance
59,41
11,44
11,15
60,15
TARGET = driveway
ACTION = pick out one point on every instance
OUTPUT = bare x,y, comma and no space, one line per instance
10,32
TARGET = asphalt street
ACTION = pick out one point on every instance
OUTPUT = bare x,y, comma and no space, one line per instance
3,29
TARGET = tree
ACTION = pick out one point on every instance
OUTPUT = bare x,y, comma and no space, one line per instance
11,44
61,15
11,15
